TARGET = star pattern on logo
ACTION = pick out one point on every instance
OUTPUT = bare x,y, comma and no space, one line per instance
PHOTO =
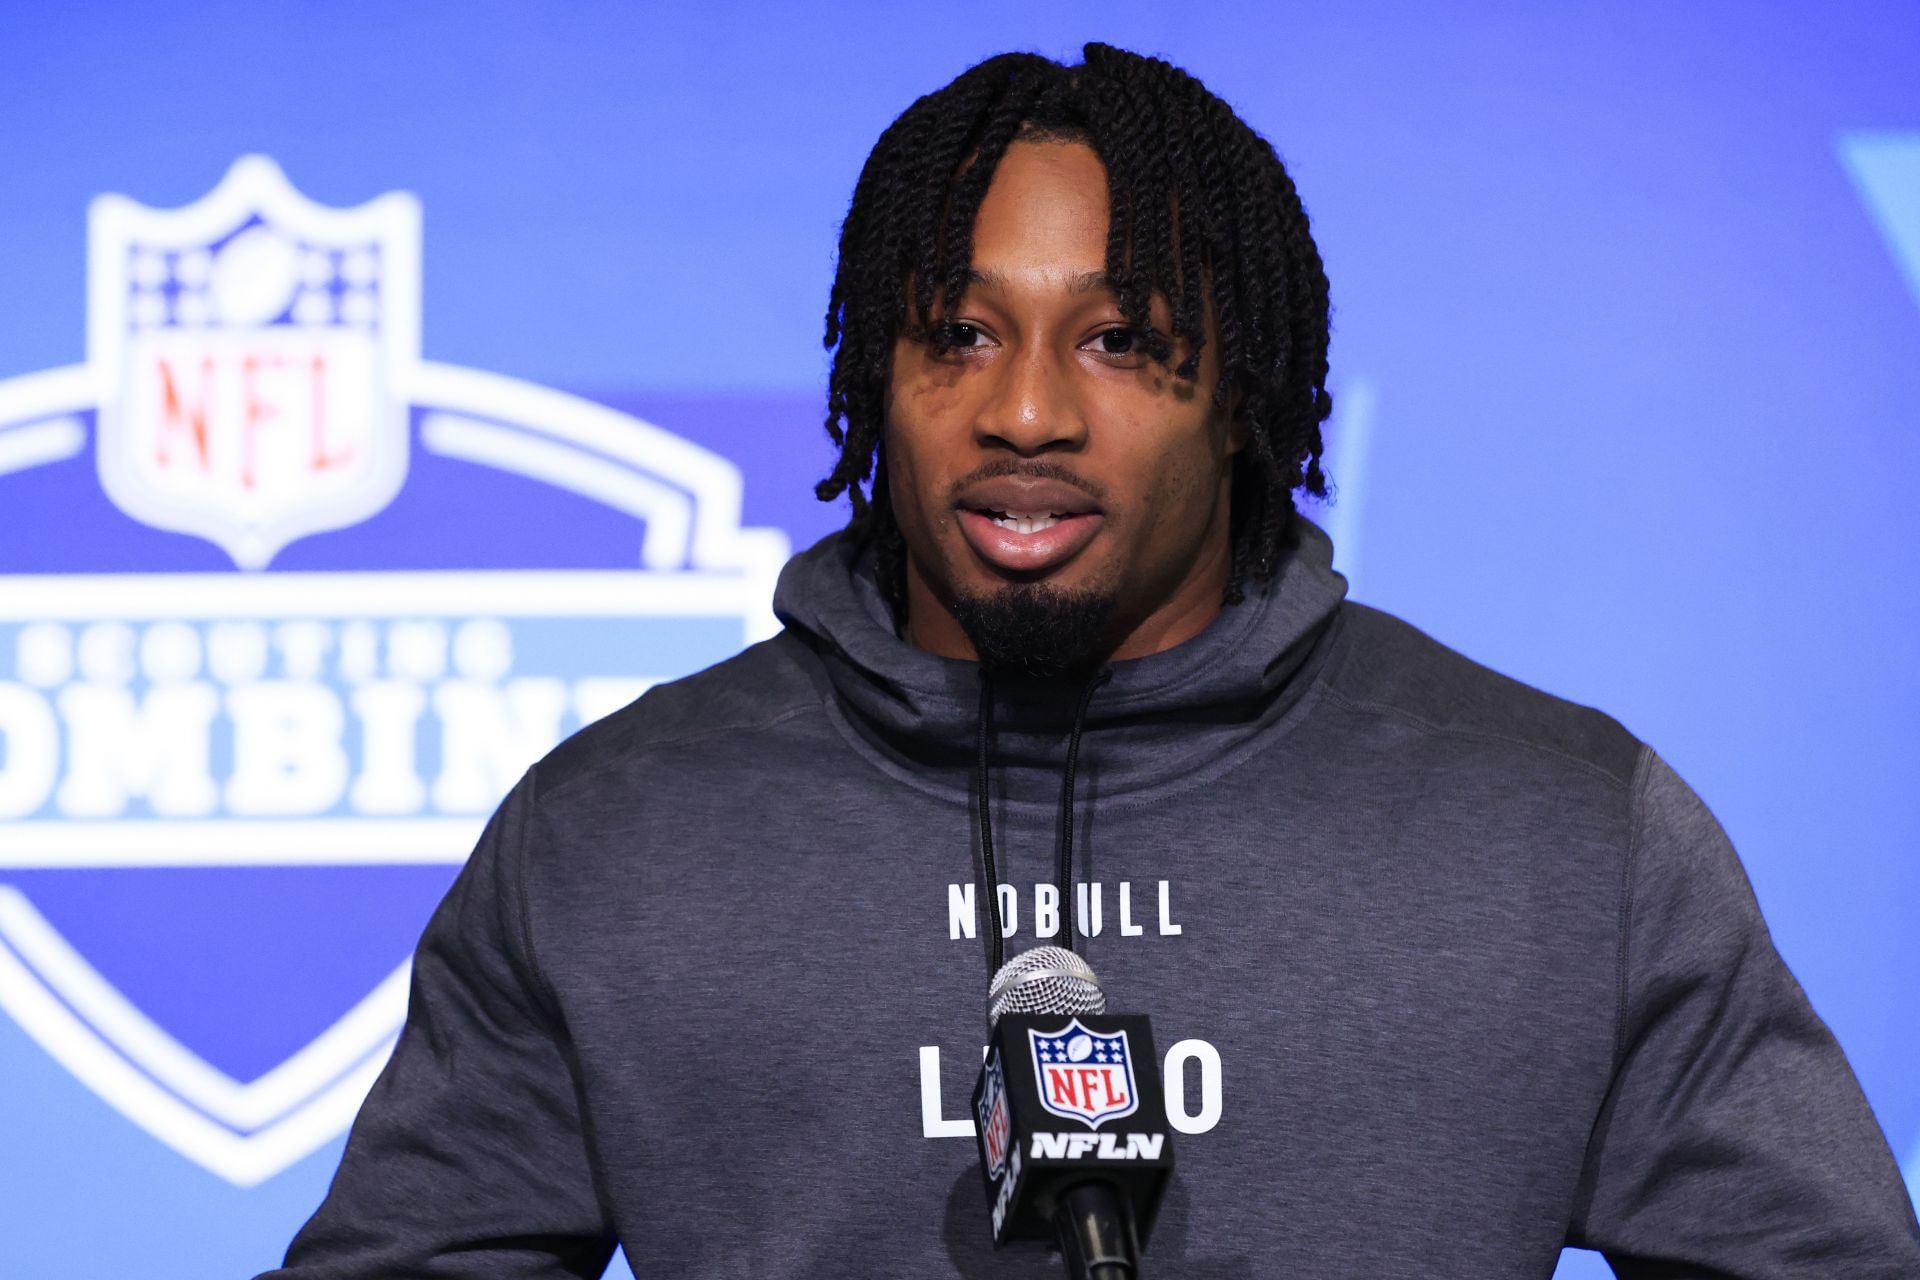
1105,1051
327,285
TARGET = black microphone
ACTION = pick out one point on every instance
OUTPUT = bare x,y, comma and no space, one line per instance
1071,1120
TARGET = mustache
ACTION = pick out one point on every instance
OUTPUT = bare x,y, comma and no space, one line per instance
1032,469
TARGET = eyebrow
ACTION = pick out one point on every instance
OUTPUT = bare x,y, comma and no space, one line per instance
1085,282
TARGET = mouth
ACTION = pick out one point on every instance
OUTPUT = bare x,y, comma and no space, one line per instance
1027,524
1027,542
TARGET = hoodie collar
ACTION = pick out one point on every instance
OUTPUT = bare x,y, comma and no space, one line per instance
1161,718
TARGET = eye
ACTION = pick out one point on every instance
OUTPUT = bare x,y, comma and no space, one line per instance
1123,342
961,337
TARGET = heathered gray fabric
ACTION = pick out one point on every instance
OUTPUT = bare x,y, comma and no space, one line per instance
1481,974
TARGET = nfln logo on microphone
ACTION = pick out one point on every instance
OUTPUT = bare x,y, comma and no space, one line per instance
284,611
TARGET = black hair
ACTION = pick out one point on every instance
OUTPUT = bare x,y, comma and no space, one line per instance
1199,204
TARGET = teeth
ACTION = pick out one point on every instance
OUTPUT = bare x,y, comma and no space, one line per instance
1020,522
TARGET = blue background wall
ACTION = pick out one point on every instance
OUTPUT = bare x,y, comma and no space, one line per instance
1621,288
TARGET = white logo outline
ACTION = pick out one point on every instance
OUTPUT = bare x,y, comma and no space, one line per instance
694,557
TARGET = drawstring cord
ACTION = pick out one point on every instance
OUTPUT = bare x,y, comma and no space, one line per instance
996,944
1063,831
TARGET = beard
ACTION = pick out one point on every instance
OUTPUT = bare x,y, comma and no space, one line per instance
1036,629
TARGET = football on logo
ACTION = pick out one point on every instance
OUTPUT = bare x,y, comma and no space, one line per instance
1084,1075
310,605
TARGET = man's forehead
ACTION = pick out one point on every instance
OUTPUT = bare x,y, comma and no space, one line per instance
1065,277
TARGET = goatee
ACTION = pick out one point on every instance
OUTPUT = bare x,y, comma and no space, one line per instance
1035,629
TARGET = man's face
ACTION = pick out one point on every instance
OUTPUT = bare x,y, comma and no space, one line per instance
1045,455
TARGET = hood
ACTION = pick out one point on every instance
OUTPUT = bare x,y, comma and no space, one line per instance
1162,719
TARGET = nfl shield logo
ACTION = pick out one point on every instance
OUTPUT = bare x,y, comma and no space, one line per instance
1084,1075
253,352
996,1124
231,792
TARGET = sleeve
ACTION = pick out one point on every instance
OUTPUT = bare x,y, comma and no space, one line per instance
469,1157
1734,1140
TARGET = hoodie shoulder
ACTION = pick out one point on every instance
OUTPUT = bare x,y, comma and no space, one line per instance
758,688
1393,668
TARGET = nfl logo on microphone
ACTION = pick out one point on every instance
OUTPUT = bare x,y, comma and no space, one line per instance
285,609
990,1113
1084,1075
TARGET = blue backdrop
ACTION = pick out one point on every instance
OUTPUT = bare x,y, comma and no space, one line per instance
1627,351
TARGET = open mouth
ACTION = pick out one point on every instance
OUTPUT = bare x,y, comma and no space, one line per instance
1024,542
1022,525
1028,521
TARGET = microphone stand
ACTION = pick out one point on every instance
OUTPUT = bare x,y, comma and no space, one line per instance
1095,1231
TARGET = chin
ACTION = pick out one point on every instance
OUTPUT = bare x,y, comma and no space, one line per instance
1040,628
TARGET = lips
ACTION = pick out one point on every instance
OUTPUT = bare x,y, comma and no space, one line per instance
1027,525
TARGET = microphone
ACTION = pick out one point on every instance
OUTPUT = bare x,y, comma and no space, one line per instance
1070,1117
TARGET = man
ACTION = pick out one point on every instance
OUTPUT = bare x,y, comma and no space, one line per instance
1456,973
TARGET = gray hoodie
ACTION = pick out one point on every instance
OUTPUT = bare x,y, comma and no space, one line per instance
1446,973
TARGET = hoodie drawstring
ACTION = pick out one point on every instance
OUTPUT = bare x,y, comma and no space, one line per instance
1063,831
996,942
1063,834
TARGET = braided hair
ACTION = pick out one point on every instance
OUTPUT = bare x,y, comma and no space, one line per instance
1202,213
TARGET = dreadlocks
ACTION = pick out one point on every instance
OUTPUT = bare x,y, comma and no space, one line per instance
1202,213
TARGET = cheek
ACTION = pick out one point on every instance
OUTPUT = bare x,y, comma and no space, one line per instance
1183,482
922,395
903,475
915,480
925,433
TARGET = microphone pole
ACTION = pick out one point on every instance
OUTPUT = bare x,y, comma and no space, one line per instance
1095,1231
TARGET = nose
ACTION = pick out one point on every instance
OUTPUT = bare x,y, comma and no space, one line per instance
1030,407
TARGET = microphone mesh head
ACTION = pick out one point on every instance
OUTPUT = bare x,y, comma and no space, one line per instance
1044,980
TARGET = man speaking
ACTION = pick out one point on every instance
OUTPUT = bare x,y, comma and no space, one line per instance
1445,973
